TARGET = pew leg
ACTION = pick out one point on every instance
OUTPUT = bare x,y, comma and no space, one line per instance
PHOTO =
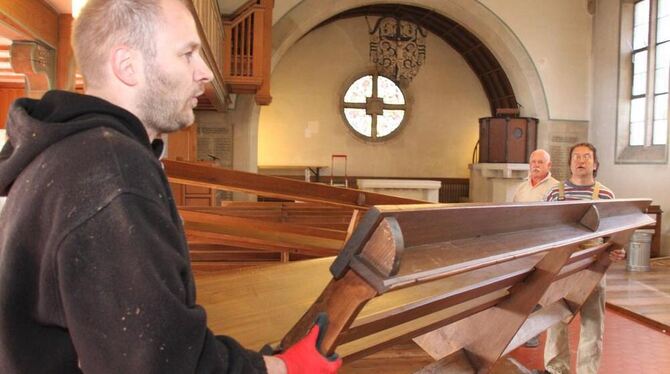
485,336
342,299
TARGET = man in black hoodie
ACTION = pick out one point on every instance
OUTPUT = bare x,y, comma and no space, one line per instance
94,268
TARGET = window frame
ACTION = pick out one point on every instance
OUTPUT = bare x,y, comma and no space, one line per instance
344,105
646,153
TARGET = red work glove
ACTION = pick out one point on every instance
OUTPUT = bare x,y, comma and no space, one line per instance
304,357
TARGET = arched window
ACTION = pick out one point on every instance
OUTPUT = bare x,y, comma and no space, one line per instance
374,107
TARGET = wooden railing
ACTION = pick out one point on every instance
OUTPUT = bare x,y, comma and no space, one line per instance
197,174
210,27
242,45
247,46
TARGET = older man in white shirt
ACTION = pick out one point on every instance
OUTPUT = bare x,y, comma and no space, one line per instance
534,188
539,178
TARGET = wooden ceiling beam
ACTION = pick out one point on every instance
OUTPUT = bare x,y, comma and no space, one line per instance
34,18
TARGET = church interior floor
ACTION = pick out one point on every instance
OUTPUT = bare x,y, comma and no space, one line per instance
637,337
630,347
642,295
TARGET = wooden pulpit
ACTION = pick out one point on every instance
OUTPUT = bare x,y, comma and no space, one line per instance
507,139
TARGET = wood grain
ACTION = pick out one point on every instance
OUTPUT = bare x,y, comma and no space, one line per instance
476,282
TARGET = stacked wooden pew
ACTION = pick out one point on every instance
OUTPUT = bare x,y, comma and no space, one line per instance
239,234
244,233
461,281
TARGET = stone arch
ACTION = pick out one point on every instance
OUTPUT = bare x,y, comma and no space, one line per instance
471,15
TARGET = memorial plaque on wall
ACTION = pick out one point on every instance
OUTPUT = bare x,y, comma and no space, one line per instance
215,143
506,139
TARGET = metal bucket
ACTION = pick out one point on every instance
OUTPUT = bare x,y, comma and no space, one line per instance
639,250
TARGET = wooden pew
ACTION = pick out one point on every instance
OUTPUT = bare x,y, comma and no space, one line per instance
462,281
197,174
309,214
247,234
268,232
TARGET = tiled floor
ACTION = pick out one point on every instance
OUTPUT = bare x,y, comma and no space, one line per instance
637,338
642,295
629,347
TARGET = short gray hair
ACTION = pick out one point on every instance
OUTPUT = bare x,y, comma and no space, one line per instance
102,24
546,154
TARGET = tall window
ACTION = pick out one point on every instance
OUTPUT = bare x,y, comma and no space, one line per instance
651,62
374,107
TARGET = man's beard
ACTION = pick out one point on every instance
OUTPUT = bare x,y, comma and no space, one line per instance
162,107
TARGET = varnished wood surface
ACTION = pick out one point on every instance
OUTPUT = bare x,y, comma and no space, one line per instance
304,238
642,295
209,27
439,294
234,180
623,287
7,97
403,358
235,307
65,63
441,240
33,17
630,347
260,305
486,347
241,233
307,214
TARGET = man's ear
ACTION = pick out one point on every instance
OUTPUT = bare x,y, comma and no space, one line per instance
126,65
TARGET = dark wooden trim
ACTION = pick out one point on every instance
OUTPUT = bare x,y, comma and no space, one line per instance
198,174
453,190
34,18
656,325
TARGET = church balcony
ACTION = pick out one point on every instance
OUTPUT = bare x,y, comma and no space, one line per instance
247,50
210,26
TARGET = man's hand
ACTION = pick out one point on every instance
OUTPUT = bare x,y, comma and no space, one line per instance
274,365
617,255
304,356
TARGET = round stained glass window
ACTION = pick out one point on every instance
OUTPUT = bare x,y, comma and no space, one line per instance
374,107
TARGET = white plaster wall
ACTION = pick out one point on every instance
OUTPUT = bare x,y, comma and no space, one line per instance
557,35
505,42
627,180
471,14
244,119
304,126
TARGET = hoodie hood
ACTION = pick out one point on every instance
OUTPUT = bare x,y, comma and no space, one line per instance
34,125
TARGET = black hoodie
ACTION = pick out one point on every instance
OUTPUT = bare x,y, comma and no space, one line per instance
94,267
